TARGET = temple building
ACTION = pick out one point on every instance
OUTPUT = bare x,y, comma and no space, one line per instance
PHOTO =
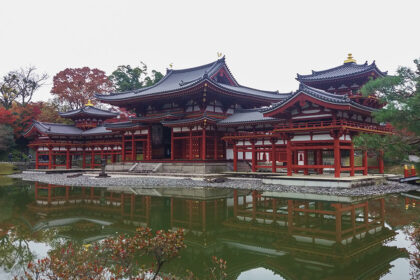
202,115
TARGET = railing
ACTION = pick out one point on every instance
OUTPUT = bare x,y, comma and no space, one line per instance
327,124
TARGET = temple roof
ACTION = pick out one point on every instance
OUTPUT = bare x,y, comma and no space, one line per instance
176,80
65,129
320,95
88,111
198,119
246,116
343,71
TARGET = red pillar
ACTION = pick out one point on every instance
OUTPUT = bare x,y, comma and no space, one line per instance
273,156
190,145
320,161
84,158
133,147
123,147
254,156
215,145
352,159
149,143
50,157
203,144
92,158
68,158
172,144
36,159
365,162
235,157
381,162
337,158
305,162
289,157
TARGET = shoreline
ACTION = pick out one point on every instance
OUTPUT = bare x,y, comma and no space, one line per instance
147,182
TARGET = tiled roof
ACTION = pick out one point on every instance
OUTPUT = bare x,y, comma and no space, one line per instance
176,80
56,128
67,130
320,95
125,124
89,111
246,116
342,71
191,120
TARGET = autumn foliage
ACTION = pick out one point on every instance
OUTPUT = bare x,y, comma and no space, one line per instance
75,86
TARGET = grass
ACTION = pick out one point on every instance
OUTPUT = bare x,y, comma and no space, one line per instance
7,169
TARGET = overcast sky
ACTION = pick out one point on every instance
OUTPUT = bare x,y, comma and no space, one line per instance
265,42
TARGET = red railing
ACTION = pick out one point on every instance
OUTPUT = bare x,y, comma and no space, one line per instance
329,124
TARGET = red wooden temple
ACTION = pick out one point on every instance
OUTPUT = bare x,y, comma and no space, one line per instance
203,114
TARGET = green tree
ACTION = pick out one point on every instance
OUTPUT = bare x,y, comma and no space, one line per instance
126,78
6,137
400,95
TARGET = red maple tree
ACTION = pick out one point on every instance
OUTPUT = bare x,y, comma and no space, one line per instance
74,87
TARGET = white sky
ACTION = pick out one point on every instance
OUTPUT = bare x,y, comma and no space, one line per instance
265,42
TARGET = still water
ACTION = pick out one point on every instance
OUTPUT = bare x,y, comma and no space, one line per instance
261,235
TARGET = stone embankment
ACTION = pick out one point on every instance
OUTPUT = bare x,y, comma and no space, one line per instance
90,180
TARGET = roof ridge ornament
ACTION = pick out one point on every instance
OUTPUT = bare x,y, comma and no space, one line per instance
89,103
349,59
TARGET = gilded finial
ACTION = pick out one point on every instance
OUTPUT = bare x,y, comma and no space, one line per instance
350,59
171,65
219,54
89,103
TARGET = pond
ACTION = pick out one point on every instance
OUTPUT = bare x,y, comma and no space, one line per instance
261,235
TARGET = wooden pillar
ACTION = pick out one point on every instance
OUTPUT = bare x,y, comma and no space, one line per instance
123,147
215,144
289,157
190,143
235,156
352,159
92,157
172,144
337,158
133,147
273,156
68,158
149,143
50,152
381,162
254,156
113,160
203,144
320,161
305,162
84,158
365,162
36,159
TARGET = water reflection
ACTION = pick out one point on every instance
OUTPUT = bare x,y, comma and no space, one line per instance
291,237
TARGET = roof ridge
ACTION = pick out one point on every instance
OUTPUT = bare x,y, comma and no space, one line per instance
303,86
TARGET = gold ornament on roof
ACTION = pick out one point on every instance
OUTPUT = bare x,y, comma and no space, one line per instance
171,65
219,54
350,59
89,103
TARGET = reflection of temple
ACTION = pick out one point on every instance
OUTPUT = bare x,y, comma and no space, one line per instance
297,239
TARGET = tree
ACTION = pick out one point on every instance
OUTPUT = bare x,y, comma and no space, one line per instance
8,91
74,87
6,137
27,81
401,96
126,78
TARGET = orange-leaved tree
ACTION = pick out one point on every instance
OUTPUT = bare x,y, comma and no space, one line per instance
74,87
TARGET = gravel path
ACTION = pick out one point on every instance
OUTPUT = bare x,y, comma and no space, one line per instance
182,182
